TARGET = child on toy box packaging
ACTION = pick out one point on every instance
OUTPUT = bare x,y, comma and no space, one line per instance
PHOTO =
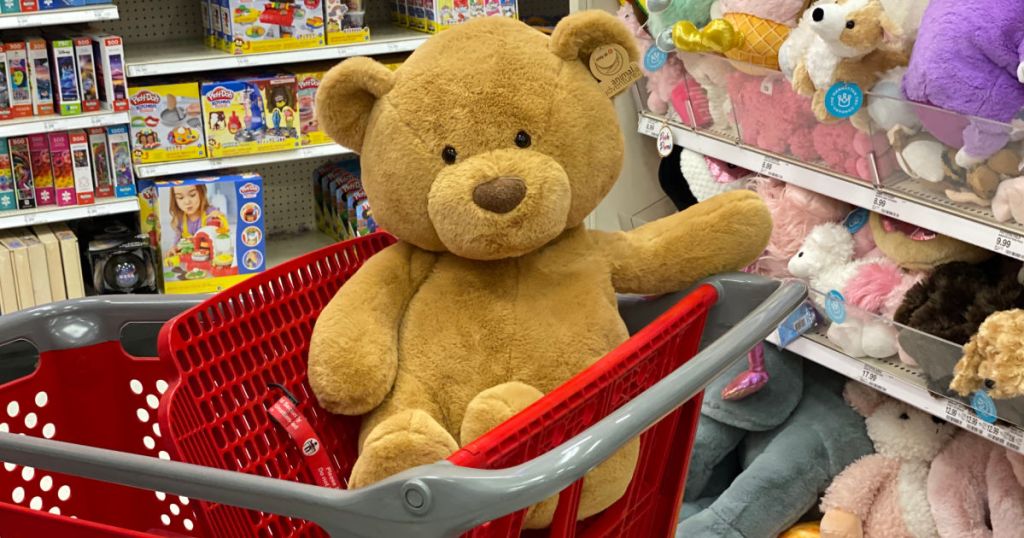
209,231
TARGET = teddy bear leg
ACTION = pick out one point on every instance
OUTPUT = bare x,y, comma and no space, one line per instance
608,482
402,441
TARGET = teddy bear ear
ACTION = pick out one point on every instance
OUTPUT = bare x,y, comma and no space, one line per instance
579,34
346,98
863,399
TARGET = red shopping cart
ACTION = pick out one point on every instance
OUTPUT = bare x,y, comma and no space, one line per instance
192,426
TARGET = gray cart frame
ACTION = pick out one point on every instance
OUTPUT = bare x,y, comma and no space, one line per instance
436,500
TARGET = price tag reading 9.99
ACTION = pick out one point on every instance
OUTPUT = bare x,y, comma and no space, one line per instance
1010,244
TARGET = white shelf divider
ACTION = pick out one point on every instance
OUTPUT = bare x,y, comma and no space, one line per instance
203,165
48,214
74,15
891,381
46,124
164,58
861,194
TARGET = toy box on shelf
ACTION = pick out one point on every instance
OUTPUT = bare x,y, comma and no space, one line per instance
340,206
17,69
253,26
346,22
250,115
108,55
307,84
209,231
166,123
433,16
7,198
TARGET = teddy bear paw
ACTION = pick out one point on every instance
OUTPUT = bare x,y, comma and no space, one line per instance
408,439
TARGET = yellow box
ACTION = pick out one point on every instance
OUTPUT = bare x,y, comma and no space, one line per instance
166,123
307,84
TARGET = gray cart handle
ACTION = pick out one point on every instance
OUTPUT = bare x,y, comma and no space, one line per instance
93,320
441,499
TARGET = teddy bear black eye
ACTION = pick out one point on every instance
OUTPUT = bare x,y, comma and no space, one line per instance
448,154
523,139
850,24
904,416
800,255
990,384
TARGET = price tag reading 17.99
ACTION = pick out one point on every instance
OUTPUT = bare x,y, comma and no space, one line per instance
1010,244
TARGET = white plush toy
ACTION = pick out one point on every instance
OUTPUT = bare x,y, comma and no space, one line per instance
826,261
708,177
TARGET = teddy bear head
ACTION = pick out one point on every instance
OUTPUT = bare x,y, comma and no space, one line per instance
852,28
490,140
897,429
827,245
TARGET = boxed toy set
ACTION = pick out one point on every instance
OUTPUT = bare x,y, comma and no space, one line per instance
21,168
78,145
251,26
8,200
341,210
251,115
346,22
209,231
42,171
121,160
307,84
166,123
433,16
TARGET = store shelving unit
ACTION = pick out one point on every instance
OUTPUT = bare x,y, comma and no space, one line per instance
1001,239
45,124
192,56
204,165
73,15
44,215
903,383
285,247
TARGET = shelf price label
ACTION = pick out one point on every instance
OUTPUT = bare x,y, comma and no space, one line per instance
30,219
886,204
92,211
1014,438
955,412
874,378
772,167
139,71
1010,244
243,61
23,21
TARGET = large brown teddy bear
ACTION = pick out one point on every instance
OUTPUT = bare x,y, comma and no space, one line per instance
483,153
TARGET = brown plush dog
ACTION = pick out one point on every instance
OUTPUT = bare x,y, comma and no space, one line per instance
483,153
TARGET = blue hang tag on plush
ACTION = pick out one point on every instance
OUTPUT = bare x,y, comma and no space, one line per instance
803,319
984,406
844,99
835,306
856,220
655,59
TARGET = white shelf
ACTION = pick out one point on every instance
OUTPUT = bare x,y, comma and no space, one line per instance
285,247
203,165
983,234
46,124
30,217
902,383
52,17
164,58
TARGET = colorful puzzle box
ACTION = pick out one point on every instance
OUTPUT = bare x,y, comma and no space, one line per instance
209,231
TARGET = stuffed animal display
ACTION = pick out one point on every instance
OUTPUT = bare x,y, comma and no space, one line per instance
992,358
495,293
885,495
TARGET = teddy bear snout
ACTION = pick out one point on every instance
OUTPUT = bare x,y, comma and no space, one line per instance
500,195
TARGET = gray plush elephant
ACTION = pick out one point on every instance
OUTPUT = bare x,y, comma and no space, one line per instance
761,463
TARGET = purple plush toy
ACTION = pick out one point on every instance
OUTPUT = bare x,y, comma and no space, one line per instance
969,58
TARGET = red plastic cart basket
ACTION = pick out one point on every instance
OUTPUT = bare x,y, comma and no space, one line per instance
95,417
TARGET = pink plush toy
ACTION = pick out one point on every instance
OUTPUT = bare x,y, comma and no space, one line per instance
884,495
772,116
976,490
846,149
660,83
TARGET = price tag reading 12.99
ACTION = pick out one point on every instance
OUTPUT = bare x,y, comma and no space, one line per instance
1010,244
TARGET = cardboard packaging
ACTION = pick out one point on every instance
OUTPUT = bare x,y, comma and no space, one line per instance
252,115
22,269
346,22
63,170
255,26
8,199
108,53
40,78
85,64
307,84
21,169
54,262
166,123
65,75
19,78
78,142
42,169
102,168
37,266
71,260
121,160
8,286
5,88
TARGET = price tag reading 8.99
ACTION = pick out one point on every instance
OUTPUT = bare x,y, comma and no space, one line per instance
771,167
1010,244
887,205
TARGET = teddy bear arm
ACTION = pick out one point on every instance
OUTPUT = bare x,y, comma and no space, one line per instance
855,489
724,233
353,354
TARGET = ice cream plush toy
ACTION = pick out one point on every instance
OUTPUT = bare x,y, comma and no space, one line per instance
969,58
764,25
495,293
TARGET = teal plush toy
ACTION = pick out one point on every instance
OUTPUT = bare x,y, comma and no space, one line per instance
761,463
662,14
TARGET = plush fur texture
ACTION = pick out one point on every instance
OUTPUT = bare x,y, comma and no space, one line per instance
696,11
795,212
973,490
785,443
709,72
703,179
957,297
662,82
916,255
1008,202
472,304
884,495
966,59
993,358
764,26
853,42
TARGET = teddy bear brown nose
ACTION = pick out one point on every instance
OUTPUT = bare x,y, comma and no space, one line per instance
818,14
500,195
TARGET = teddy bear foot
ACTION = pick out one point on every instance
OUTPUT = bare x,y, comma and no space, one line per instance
494,406
402,441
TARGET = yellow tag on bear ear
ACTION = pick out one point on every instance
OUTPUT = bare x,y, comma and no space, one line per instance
610,64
